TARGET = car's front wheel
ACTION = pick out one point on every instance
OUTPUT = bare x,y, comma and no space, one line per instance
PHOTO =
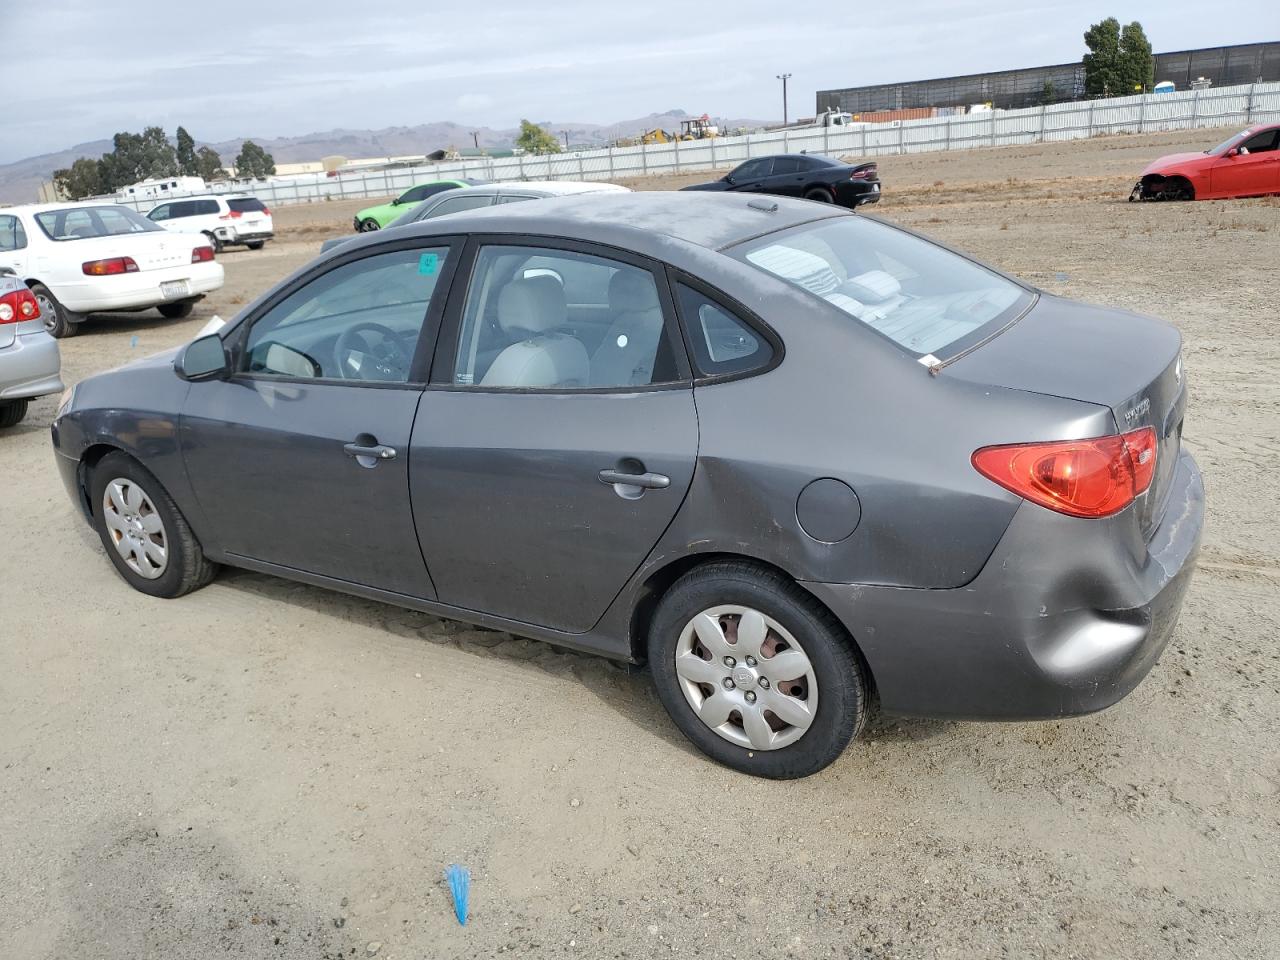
12,412
144,532
755,672
368,225
58,320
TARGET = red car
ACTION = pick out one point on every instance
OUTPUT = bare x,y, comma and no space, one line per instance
1244,165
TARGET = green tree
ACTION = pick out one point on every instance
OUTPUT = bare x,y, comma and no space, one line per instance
1103,74
253,161
1048,93
137,156
186,153
1138,66
209,164
82,179
534,139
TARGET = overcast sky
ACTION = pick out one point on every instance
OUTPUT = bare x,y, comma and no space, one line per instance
79,70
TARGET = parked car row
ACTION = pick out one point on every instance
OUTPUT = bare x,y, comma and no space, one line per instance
791,457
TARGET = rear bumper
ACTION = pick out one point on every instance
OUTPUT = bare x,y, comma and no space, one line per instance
1067,617
856,193
29,366
252,237
134,290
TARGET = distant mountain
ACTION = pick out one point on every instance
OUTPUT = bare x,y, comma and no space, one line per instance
20,181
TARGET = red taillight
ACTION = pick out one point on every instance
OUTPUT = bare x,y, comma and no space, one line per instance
230,215
201,254
266,211
18,306
103,268
864,173
1081,478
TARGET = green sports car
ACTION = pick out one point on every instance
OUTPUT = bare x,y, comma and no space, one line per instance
375,218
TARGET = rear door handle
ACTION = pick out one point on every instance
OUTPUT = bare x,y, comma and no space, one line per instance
649,481
377,451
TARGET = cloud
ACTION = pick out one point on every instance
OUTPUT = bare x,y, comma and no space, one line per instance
470,103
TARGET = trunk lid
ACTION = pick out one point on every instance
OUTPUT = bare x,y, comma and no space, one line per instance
1127,362
153,250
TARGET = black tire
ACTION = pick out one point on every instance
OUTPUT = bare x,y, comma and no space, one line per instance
176,311
1179,188
256,244
368,225
836,666
12,413
820,195
186,568
214,242
58,320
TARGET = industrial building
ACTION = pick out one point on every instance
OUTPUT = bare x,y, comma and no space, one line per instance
1012,89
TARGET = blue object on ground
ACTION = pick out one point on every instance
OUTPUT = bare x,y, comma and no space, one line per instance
460,886
133,342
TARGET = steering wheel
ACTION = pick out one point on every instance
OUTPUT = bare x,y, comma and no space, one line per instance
356,359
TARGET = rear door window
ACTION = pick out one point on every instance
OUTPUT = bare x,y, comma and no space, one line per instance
207,207
783,165
457,205
12,236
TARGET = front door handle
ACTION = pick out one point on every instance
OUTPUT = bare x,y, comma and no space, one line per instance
377,451
648,481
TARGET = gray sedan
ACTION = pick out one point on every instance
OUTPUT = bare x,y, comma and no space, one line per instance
30,363
791,457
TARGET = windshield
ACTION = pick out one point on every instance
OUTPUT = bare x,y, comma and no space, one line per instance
924,298
83,223
1228,143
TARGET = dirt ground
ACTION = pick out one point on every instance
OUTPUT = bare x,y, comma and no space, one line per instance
268,770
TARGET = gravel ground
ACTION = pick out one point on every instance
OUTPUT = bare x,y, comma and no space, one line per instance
267,770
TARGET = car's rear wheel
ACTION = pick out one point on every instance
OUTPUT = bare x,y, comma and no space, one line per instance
144,533
820,194
12,412
368,225
58,320
755,672
176,311
256,244
214,242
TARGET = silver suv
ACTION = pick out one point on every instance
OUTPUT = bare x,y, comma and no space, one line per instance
29,358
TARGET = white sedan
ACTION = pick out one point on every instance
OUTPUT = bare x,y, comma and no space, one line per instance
83,258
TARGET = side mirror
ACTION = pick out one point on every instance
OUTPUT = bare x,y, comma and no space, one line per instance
727,178
203,359
396,202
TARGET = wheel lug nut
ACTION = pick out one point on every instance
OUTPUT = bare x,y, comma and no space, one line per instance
751,697
764,683
730,662
751,661
728,683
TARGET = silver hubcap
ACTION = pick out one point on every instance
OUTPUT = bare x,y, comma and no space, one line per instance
135,528
46,311
746,677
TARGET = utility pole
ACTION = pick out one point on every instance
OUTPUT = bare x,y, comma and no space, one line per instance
784,77
565,134
475,138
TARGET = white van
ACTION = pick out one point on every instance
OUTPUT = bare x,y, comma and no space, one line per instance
228,219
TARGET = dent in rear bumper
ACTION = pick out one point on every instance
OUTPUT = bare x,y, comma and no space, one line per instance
1065,618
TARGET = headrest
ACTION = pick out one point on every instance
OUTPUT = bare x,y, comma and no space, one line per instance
532,304
632,290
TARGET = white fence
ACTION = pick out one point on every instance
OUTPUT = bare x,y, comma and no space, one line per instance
1214,107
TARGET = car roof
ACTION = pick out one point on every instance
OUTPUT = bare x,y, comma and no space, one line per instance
642,221
63,205
548,188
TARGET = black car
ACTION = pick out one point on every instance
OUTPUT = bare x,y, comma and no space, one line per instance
803,175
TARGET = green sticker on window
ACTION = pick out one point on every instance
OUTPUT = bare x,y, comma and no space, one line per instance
427,263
